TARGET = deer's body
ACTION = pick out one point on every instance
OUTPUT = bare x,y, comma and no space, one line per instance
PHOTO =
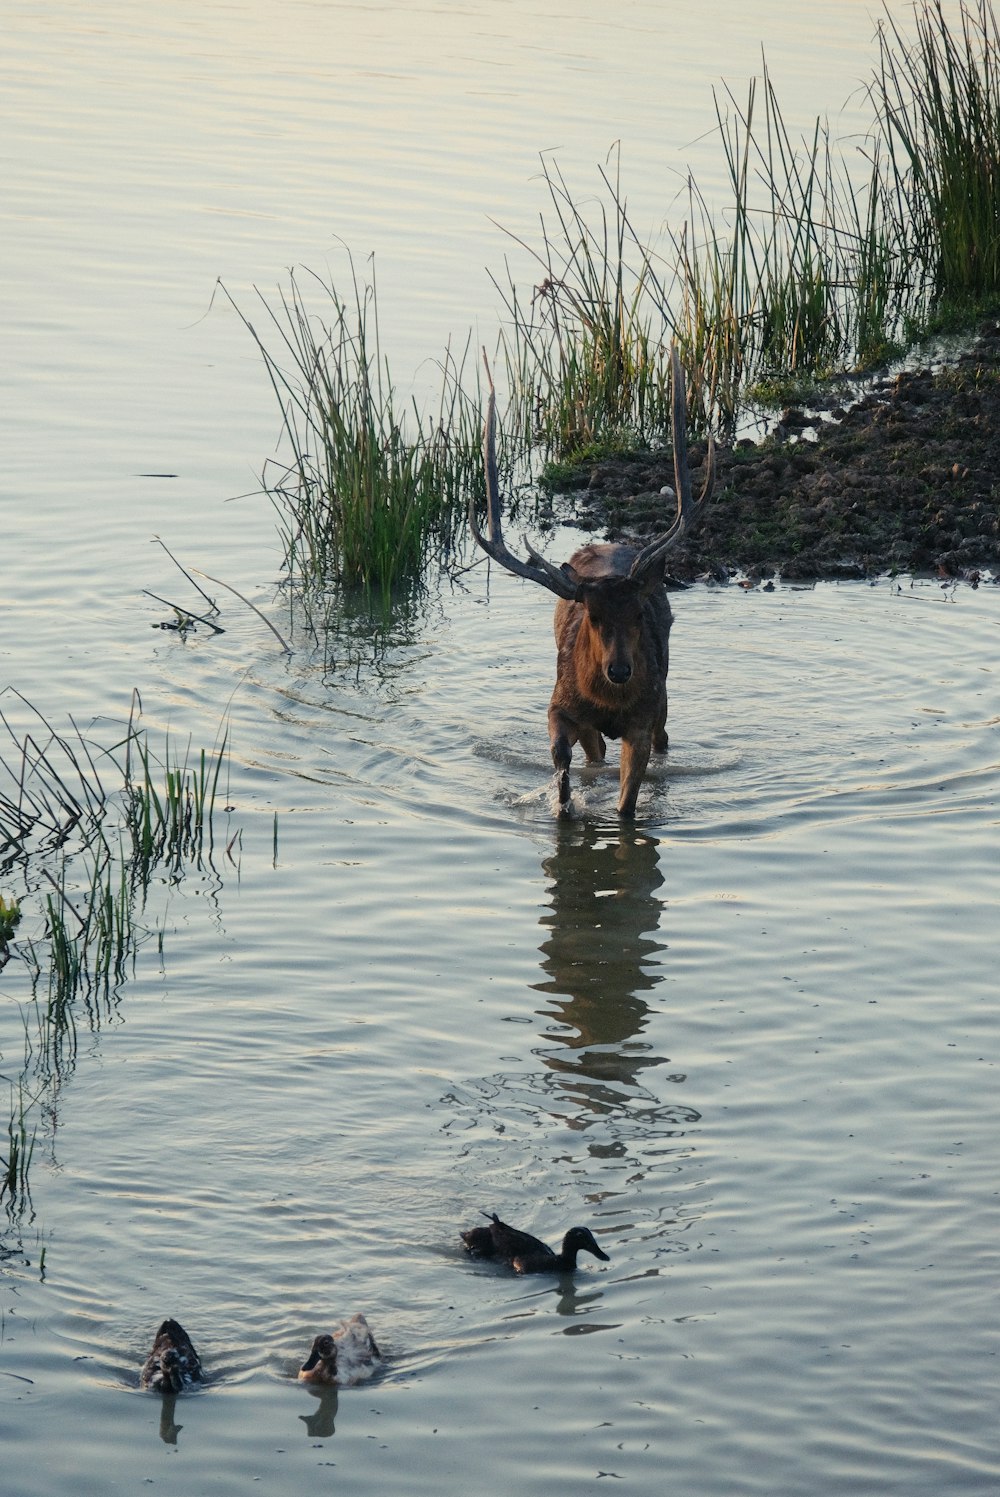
611,669
612,623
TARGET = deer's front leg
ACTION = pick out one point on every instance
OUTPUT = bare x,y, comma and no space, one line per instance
635,757
562,735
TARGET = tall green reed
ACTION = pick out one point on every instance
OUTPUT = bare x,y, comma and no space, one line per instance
825,258
170,803
372,489
14,1166
84,855
50,788
586,355
804,276
937,100
809,275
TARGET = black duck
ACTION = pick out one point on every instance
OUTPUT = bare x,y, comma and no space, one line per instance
527,1254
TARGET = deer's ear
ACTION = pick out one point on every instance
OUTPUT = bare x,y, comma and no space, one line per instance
573,576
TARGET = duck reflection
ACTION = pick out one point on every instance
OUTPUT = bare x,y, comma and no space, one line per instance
169,1428
320,1424
574,1302
600,953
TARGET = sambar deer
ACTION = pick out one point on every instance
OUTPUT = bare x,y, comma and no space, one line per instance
612,622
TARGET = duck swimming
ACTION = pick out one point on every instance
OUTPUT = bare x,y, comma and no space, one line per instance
173,1364
527,1254
348,1356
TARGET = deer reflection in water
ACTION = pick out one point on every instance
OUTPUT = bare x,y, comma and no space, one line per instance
601,954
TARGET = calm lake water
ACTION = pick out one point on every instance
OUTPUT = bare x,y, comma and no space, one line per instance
751,1041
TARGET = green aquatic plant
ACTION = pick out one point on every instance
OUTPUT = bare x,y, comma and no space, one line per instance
372,488
50,787
809,277
170,803
828,260
85,841
805,278
938,104
93,934
14,1166
828,257
54,1050
587,355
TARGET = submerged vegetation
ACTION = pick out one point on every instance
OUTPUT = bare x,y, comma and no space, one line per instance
823,262
82,829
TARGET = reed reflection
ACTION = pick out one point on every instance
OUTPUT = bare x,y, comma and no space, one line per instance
600,953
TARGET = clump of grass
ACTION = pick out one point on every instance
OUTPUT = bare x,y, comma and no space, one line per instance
810,276
93,935
372,490
574,469
825,263
938,104
50,788
786,389
828,268
55,1049
112,924
806,277
51,792
588,355
85,857
170,806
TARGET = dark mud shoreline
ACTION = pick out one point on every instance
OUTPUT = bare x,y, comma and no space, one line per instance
908,480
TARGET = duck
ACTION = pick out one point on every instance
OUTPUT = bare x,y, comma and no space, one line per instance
527,1254
349,1355
173,1364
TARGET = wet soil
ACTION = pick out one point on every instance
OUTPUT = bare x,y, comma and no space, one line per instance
905,480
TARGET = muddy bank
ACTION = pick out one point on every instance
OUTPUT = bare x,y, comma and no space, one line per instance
906,481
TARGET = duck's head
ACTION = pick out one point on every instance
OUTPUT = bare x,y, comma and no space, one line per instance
582,1240
321,1364
169,1376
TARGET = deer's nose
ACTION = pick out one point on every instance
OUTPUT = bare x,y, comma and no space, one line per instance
619,672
